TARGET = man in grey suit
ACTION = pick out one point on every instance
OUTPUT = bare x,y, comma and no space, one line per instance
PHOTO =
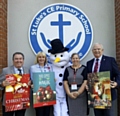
16,68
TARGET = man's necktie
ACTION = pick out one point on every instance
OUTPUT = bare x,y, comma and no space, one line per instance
20,71
96,65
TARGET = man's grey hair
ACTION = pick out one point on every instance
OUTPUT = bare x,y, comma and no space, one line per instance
97,44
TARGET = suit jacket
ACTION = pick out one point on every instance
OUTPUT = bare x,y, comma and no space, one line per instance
8,70
107,64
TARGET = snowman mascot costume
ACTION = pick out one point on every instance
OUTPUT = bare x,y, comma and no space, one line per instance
59,57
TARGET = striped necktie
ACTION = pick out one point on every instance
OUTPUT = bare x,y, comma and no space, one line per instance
20,71
96,65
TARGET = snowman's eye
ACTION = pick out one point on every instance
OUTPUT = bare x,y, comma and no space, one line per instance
61,55
55,55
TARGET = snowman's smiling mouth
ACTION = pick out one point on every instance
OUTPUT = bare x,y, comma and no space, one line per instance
61,61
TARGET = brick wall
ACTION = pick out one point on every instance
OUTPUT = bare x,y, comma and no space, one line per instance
117,23
3,37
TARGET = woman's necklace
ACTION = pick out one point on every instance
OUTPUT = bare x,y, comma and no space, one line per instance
76,67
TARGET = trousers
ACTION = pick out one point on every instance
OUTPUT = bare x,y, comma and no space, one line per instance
13,113
106,112
60,108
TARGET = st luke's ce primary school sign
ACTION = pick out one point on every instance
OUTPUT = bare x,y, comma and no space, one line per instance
63,21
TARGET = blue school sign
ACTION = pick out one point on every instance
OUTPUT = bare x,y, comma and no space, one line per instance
63,21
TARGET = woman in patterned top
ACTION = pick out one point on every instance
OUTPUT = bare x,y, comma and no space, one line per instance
75,80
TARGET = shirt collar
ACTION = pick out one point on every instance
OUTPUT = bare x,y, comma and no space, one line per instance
46,65
98,58
16,69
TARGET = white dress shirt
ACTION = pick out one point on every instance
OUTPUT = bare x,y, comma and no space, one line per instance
38,68
17,71
99,62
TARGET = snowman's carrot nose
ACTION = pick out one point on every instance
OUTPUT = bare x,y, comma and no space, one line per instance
57,60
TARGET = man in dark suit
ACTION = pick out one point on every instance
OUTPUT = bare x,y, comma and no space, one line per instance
16,68
105,63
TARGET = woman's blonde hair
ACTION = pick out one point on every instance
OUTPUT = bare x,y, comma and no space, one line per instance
40,54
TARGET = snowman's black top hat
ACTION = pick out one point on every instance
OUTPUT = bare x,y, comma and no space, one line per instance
57,47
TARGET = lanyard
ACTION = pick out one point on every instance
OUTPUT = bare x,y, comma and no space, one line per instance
41,69
46,68
74,74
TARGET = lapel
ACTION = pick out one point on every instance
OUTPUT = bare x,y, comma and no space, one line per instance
12,70
24,70
103,63
91,64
